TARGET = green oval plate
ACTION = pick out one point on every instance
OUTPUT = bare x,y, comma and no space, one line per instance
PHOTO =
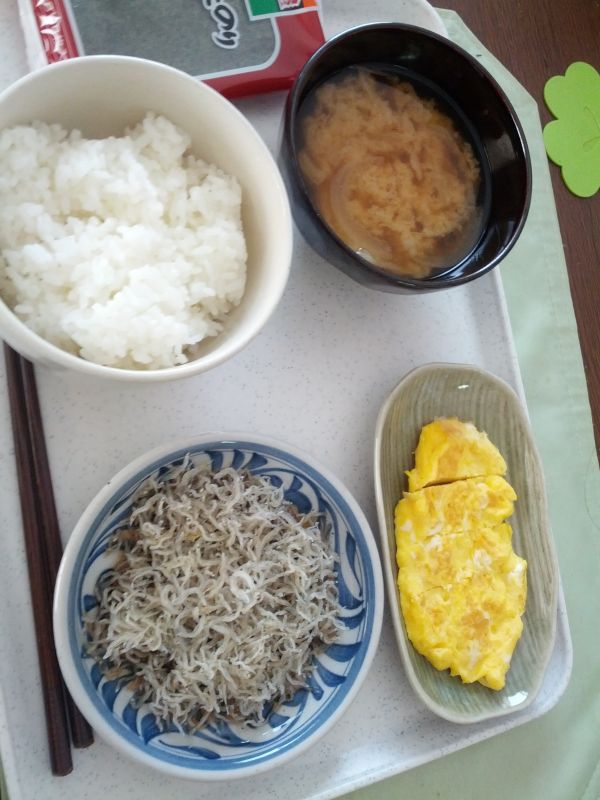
471,394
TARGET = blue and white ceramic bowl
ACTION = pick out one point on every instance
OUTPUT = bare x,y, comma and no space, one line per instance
222,751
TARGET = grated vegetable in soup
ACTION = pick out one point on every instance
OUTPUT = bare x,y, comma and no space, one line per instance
389,172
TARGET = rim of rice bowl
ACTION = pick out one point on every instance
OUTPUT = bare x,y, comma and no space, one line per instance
265,180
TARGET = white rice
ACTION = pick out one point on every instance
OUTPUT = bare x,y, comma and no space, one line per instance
126,251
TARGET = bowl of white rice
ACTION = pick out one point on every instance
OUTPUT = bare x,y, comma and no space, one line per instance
218,606
145,232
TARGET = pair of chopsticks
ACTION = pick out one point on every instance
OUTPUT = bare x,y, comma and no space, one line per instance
44,551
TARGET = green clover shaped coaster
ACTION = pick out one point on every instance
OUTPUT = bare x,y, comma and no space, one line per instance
573,139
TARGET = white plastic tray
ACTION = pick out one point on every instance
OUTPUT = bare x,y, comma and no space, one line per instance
315,377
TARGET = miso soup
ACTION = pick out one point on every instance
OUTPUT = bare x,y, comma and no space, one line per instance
390,172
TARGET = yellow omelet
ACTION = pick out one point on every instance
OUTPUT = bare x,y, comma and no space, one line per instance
449,450
462,587
456,506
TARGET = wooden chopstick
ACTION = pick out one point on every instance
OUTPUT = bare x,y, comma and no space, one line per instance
81,732
44,550
52,686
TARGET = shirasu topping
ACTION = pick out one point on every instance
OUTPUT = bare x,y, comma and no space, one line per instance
221,594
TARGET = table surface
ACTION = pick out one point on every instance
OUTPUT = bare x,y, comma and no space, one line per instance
536,39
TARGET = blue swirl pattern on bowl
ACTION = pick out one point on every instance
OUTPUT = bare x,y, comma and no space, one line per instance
223,746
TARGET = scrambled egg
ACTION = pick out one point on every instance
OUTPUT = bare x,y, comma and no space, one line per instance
448,450
462,587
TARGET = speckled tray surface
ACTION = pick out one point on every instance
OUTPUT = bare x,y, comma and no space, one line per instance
315,377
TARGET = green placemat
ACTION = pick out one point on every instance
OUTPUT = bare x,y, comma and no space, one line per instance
556,756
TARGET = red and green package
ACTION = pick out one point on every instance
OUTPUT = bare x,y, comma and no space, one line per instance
238,46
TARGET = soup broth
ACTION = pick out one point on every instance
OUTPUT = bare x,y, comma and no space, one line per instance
390,172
